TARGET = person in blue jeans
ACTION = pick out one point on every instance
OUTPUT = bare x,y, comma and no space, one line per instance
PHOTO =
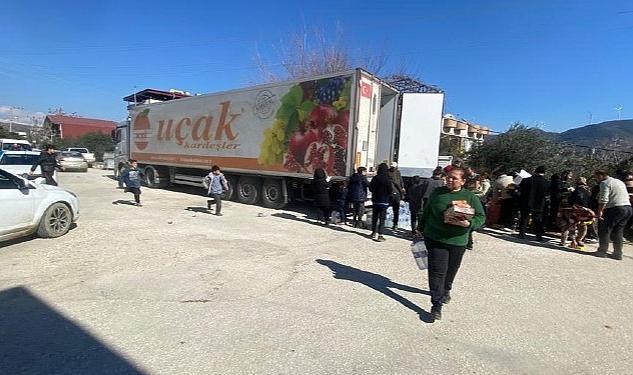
217,185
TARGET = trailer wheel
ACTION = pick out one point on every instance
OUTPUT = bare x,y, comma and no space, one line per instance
149,174
272,193
248,190
229,195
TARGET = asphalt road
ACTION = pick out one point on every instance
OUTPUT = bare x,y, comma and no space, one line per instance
169,289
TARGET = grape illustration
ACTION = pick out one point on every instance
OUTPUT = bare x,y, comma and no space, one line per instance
330,90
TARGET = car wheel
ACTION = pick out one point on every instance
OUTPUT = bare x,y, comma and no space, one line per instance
56,221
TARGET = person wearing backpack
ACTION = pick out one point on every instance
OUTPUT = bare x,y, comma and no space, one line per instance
217,185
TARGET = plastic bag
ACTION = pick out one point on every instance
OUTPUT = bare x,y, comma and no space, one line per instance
420,254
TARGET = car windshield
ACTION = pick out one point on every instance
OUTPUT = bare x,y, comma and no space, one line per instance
16,147
71,154
82,150
16,159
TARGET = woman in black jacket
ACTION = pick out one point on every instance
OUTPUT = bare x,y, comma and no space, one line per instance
320,187
381,189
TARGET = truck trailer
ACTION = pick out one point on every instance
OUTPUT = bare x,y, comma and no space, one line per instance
269,139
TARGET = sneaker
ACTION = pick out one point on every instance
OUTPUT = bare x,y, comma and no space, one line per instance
600,254
446,299
591,240
373,236
219,214
381,239
615,256
436,313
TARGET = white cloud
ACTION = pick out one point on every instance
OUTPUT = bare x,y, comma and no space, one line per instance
21,115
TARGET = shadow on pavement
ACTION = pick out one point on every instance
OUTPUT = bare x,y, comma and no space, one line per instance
121,201
285,215
202,210
533,243
36,339
378,283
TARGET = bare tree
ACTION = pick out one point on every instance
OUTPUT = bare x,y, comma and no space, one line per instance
61,111
309,54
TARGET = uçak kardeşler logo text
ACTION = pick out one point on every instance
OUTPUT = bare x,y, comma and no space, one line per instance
204,132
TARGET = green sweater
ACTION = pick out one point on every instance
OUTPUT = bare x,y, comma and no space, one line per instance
432,218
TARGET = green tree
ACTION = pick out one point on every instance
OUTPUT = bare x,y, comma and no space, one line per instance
5,133
527,148
97,143
449,146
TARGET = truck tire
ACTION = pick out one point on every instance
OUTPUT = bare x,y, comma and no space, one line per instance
56,221
229,195
272,193
149,177
248,190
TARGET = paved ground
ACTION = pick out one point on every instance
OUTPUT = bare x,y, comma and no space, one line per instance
165,289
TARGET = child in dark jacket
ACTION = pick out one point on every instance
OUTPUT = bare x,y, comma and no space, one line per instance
340,197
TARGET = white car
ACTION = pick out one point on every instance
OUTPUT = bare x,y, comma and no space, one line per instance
89,156
30,207
20,162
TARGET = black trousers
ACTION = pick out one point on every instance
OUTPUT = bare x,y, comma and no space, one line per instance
414,210
507,207
444,262
49,178
395,204
379,215
326,211
537,222
359,210
553,214
217,198
137,194
611,227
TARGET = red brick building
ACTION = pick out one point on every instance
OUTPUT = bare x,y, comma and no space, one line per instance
74,127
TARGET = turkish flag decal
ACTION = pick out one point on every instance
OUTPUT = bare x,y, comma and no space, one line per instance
365,89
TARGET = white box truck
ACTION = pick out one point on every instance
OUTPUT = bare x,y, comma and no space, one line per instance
267,139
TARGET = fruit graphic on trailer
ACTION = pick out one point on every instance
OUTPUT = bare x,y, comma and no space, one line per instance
141,130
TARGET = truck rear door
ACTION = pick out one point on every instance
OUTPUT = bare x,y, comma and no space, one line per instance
367,112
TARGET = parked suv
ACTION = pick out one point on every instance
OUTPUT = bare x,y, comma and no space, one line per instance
31,207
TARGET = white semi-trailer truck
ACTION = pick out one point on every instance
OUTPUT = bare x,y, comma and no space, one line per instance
269,139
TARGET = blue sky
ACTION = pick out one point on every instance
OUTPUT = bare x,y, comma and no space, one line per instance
541,62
